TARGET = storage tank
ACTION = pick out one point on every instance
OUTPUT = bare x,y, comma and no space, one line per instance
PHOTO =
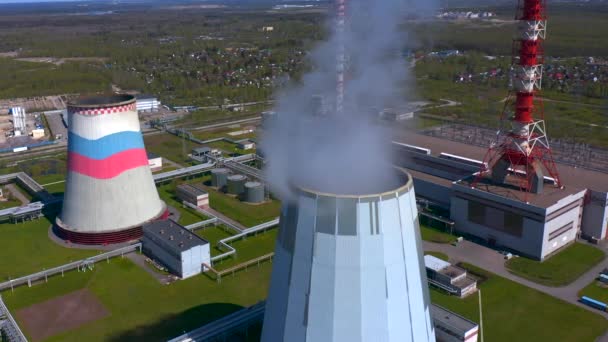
110,192
236,184
349,268
219,177
254,192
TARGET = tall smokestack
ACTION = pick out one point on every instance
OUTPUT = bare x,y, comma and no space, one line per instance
349,268
341,55
110,192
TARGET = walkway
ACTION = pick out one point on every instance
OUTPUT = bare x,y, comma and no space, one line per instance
494,262
140,260
17,193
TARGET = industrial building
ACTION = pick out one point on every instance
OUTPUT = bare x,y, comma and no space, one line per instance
155,162
175,247
110,193
349,268
445,276
193,195
147,103
534,225
451,327
245,145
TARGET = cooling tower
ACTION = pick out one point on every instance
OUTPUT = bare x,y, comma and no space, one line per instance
349,268
110,192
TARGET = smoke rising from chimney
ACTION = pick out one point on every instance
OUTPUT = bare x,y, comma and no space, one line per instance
344,153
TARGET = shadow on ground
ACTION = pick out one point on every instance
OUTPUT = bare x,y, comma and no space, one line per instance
171,326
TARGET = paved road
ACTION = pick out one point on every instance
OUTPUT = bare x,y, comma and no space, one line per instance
492,261
17,193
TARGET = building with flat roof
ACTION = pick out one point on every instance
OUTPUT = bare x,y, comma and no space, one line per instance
147,103
245,145
175,247
452,279
193,195
534,225
155,161
451,327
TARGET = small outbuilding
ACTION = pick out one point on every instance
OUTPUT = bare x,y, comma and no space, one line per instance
246,145
177,248
155,161
193,195
445,276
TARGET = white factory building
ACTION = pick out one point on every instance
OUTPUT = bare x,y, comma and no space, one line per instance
175,247
147,103
537,226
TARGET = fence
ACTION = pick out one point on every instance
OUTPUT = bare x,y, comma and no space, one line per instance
67,267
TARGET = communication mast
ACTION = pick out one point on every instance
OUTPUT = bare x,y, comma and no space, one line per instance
341,55
521,149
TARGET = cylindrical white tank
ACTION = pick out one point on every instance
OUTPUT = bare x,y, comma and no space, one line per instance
236,184
254,192
349,268
110,192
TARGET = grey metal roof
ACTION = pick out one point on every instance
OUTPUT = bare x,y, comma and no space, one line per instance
192,190
456,322
172,235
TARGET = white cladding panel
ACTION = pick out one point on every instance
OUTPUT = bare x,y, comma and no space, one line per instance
349,269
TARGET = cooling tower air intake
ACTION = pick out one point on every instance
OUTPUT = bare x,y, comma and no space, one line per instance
349,268
110,192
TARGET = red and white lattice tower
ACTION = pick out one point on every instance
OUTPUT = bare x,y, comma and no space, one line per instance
521,149
341,54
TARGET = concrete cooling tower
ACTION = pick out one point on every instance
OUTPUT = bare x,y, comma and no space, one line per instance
349,268
110,192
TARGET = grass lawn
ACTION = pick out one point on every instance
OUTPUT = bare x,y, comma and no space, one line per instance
250,248
170,147
246,249
27,249
246,214
229,148
57,189
515,312
435,235
438,255
596,290
213,234
141,308
559,270
223,133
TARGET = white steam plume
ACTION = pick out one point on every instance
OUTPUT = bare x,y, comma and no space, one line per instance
344,153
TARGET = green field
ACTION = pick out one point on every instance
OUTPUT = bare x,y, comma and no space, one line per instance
596,290
223,133
436,235
27,249
514,312
170,147
246,214
141,308
250,248
560,269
